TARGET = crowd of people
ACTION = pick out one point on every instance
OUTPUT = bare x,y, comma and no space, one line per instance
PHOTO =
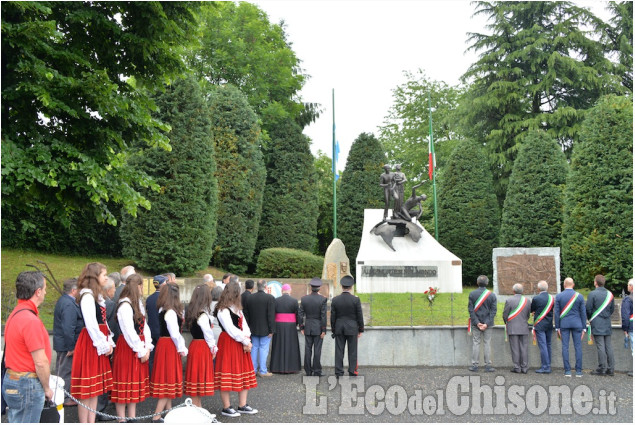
113,346
573,318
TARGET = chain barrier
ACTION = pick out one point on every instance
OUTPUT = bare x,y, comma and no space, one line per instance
186,403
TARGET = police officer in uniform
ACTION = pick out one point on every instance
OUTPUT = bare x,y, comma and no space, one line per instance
312,319
347,324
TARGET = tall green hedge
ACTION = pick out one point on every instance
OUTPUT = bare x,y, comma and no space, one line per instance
533,209
285,262
468,215
598,225
359,190
289,216
177,233
240,171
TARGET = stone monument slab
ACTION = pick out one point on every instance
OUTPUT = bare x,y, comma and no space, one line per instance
336,266
527,266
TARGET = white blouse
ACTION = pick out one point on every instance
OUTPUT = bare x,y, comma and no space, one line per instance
235,333
204,322
89,312
125,317
175,333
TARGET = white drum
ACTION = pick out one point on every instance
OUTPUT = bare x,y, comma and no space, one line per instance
190,414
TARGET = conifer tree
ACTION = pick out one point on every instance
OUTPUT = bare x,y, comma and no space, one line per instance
533,209
178,232
468,214
289,216
240,171
598,225
359,190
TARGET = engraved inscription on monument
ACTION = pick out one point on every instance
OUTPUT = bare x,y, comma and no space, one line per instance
399,271
526,269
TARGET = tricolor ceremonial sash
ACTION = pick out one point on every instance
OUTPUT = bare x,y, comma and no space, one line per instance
479,302
631,318
518,309
543,313
607,301
567,307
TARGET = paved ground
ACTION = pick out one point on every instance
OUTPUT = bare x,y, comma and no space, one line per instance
429,395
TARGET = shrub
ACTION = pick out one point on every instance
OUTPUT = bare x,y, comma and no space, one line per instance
598,224
287,263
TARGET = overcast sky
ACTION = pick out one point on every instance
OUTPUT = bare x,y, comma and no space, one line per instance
361,49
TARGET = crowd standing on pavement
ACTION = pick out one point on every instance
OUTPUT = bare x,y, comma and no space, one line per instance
231,334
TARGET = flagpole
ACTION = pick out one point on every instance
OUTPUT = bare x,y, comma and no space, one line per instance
434,173
334,174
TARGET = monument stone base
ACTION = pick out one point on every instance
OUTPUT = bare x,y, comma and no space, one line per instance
411,267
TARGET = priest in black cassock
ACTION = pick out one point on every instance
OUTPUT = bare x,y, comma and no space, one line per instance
285,350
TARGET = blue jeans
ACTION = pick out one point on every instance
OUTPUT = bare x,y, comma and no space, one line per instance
630,338
543,339
25,398
576,334
259,352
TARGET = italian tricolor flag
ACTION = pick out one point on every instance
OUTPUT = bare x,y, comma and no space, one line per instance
432,160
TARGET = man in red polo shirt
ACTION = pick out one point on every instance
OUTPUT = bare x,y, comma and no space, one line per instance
28,352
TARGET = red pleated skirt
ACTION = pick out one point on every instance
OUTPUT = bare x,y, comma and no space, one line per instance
199,372
167,371
91,374
234,367
130,376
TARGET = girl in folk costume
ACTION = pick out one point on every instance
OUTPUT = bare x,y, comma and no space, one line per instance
199,373
91,374
234,366
167,372
130,367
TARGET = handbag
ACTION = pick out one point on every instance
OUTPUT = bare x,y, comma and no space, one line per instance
4,367
50,414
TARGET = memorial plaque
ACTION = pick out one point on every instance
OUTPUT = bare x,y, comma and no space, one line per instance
399,271
527,269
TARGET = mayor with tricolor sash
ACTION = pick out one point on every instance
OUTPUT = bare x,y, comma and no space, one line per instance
599,308
542,308
516,315
482,308
570,317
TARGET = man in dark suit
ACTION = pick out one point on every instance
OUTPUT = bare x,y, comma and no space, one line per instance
542,307
570,317
312,319
482,307
67,324
152,314
599,308
249,286
516,316
260,313
347,325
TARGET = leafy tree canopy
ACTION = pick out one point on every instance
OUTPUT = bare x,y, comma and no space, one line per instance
324,175
75,84
540,67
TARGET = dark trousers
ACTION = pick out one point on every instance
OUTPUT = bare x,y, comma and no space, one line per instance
340,342
312,343
519,345
606,360
543,339
64,366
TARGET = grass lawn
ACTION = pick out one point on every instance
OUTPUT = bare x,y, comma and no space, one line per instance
388,309
63,267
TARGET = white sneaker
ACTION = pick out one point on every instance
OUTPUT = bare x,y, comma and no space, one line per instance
247,409
230,412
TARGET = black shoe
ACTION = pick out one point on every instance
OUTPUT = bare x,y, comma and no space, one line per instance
598,372
158,421
246,410
230,412
630,373
489,369
473,368
318,374
610,372
515,370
